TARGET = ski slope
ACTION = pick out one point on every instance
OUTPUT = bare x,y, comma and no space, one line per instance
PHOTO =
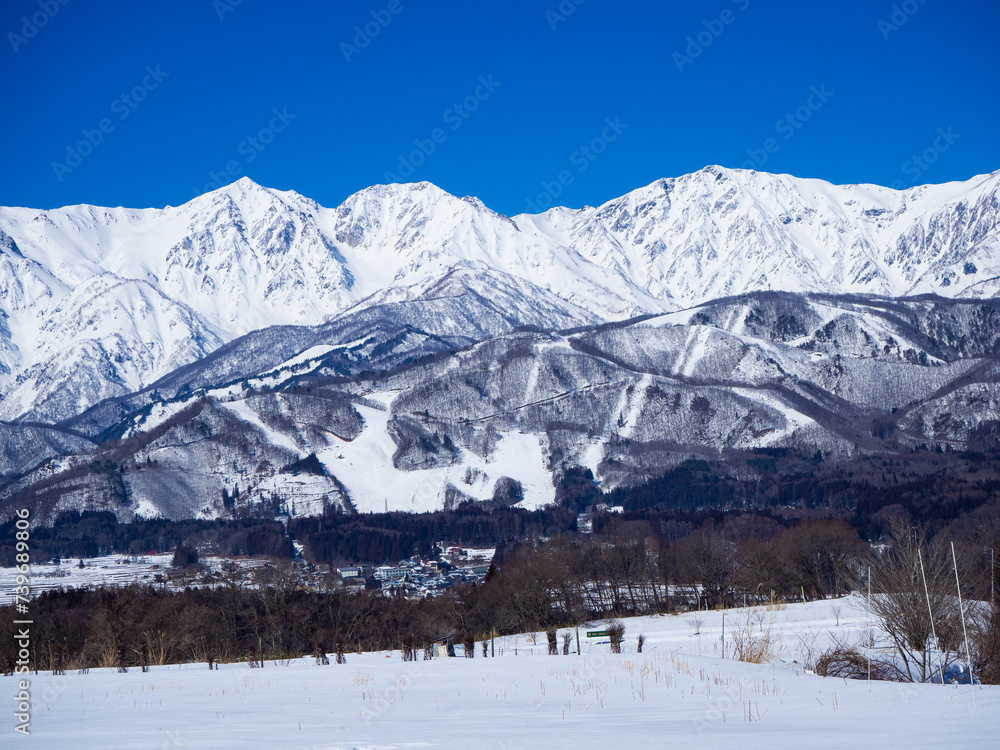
353,462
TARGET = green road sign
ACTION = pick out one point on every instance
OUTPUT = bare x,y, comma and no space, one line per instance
597,633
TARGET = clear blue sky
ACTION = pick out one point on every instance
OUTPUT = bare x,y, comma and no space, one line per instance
355,111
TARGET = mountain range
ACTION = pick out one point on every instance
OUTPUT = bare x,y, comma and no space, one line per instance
410,349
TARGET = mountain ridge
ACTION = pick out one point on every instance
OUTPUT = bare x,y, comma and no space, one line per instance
129,295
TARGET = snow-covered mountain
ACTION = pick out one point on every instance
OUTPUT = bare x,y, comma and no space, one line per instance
128,295
721,232
371,411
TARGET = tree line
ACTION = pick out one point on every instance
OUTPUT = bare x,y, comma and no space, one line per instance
94,533
539,584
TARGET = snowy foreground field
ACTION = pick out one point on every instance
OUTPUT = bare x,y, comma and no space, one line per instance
679,692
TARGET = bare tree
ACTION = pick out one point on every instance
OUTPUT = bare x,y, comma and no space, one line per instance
551,636
759,570
639,643
320,653
567,642
616,634
254,658
275,586
986,637
709,559
903,606
821,555
338,647
630,562
56,658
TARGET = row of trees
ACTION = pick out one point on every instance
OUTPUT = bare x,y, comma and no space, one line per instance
93,533
625,569
914,580
630,570
271,619
337,537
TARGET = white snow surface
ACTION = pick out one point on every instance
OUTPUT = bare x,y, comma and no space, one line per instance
680,692
107,570
364,465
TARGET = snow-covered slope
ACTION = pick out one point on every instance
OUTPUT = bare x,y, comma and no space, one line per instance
681,691
127,295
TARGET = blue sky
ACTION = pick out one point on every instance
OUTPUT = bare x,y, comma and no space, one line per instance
521,103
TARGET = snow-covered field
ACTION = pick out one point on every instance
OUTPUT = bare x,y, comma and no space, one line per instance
107,570
680,692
